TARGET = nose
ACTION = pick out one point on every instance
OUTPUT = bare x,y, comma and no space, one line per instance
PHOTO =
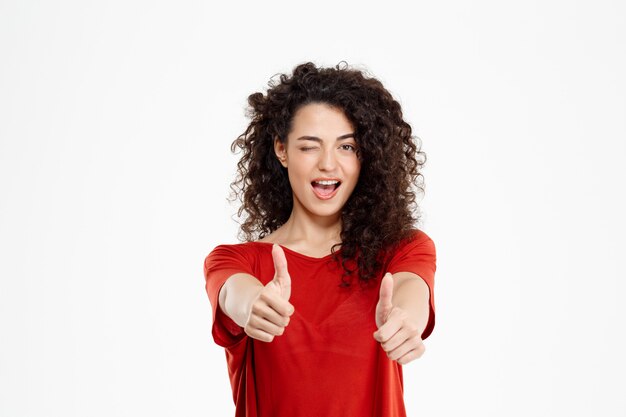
327,161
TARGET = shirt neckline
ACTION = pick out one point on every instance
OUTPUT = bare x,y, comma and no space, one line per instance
298,254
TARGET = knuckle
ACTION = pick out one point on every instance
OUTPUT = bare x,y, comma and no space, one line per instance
253,333
409,358
412,329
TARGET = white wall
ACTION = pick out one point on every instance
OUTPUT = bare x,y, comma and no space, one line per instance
115,125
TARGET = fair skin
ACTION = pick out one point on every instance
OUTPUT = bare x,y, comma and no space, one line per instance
320,151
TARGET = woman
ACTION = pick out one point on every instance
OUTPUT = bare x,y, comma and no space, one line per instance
332,290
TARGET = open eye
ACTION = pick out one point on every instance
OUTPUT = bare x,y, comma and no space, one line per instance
348,147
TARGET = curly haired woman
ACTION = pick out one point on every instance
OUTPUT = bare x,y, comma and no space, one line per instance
331,291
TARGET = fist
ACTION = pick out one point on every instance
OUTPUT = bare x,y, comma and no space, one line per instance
270,310
397,334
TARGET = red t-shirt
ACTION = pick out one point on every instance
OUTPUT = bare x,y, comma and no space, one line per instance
326,363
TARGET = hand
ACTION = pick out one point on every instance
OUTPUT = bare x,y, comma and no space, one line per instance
397,334
270,310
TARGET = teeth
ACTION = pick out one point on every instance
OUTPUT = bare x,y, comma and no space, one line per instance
326,182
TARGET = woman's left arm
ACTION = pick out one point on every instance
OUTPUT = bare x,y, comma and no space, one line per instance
402,315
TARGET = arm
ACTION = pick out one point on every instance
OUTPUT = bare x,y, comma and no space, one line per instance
411,294
237,294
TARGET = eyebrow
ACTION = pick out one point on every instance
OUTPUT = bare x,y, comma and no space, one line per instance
316,139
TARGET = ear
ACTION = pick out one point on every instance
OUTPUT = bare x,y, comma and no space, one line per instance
280,151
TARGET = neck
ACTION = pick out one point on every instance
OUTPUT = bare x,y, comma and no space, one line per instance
304,226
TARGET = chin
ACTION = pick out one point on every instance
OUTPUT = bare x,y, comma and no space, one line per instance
328,211
316,209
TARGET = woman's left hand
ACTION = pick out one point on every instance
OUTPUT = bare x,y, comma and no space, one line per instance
398,335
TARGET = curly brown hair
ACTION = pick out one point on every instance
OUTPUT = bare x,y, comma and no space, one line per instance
381,211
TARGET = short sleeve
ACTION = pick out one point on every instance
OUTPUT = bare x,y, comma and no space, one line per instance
223,262
418,255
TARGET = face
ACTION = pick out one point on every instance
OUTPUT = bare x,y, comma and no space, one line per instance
321,159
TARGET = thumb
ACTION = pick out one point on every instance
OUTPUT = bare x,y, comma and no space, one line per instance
384,301
386,291
281,274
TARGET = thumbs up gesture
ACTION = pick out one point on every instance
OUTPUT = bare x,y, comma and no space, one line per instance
398,335
270,309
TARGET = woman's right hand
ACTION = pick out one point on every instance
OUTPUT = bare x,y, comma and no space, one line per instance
270,309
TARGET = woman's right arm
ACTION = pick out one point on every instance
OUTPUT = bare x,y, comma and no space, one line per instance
236,296
262,311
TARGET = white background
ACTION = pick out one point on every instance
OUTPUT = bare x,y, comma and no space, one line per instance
115,123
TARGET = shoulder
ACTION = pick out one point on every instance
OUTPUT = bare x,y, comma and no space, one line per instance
232,254
416,237
416,254
417,242
233,247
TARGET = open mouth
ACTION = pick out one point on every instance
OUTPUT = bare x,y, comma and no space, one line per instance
325,189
